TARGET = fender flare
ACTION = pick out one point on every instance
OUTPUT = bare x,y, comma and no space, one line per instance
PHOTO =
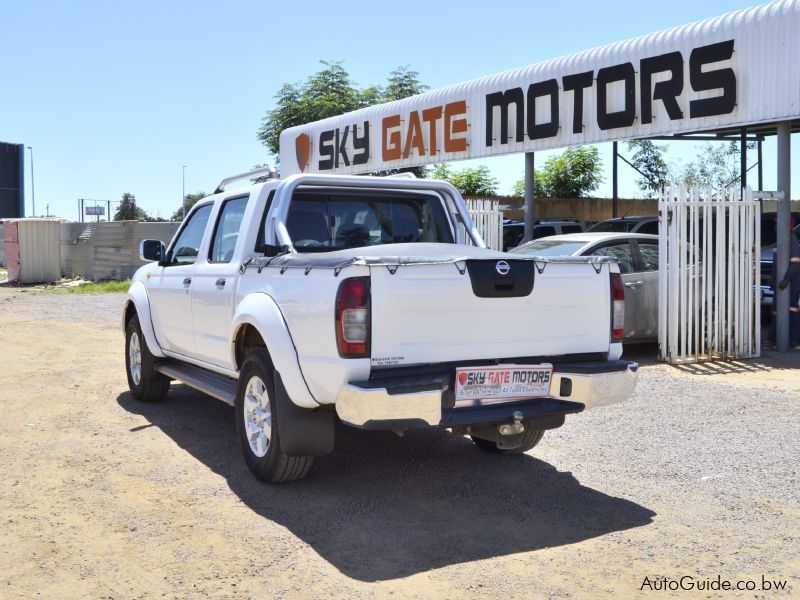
259,310
137,295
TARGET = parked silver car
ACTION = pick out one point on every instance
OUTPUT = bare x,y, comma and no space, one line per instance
637,254
645,224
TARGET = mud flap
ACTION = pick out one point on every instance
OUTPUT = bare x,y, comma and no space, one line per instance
303,432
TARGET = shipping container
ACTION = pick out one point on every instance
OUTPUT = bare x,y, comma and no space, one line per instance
32,250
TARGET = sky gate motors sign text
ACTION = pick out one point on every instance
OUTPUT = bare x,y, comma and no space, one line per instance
664,83
669,91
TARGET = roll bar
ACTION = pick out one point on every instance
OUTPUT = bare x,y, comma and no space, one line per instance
287,187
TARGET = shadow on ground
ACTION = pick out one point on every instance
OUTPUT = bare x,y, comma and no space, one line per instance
643,353
381,507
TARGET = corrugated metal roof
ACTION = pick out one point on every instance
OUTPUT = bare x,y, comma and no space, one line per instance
765,60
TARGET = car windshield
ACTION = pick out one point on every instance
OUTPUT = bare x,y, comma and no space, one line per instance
323,222
612,227
548,247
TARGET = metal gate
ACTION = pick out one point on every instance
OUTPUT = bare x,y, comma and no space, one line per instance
488,218
709,275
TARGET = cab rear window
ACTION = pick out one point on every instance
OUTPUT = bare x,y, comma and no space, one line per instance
323,222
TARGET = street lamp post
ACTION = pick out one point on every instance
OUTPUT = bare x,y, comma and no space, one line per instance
33,186
183,193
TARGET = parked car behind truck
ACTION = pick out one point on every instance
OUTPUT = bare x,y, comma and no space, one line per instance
374,301
637,256
514,231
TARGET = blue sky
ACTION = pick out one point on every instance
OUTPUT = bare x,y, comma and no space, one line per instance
117,97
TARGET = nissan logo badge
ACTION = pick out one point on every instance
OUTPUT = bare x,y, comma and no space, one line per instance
502,267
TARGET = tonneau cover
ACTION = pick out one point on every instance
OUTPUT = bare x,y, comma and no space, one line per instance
334,260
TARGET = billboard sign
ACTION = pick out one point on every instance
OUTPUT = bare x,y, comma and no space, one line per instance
702,76
94,211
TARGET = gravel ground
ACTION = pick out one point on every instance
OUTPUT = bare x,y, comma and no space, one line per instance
104,496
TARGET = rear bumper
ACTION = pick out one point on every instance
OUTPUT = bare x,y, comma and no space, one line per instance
402,402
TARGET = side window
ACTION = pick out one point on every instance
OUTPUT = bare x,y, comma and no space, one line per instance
649,227
261,239
649,254
541,231
187,246
571,229
512,236
622,252
226,231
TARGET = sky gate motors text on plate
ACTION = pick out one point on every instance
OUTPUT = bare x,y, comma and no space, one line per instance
432,130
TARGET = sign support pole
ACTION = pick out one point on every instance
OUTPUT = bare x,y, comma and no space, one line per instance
743,158
614,178
784,218
530,210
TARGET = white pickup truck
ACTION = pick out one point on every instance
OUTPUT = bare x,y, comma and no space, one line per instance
373,300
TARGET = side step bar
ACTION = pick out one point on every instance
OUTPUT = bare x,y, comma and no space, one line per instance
220,387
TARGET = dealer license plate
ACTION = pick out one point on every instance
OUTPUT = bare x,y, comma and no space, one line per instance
502,382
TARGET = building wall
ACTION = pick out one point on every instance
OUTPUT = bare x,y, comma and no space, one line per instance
104,251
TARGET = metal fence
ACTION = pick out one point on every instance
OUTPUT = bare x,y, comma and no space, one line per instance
110,250
709,275
488,218
107,250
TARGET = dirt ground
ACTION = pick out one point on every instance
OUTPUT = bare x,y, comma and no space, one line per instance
104,497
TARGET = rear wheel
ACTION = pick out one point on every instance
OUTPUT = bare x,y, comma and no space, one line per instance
256,423
146,384
530,437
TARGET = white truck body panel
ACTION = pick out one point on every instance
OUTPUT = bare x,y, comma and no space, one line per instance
423,307
426,312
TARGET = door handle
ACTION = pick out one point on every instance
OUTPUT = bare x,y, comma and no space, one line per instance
187,281
633,284
220,283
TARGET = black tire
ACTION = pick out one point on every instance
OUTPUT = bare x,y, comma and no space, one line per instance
152,385
530,437
275,466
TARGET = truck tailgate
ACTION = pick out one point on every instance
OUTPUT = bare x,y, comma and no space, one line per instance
428,313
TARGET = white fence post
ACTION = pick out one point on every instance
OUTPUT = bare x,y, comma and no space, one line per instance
488,218
709,275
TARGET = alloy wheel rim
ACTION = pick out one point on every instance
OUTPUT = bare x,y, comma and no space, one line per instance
135,358
257,416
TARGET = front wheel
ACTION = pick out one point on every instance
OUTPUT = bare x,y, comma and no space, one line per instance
256,424
146,384
530,437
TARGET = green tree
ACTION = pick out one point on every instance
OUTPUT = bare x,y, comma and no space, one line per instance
649,159
329,93
188,202
403,82
716,165
538,191
572,174
473,181
128,211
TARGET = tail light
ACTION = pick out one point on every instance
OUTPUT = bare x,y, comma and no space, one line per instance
353,318
617,308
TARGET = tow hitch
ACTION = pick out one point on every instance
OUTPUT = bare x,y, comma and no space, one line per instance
514,428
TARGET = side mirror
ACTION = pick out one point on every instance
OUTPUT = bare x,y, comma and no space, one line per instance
152,250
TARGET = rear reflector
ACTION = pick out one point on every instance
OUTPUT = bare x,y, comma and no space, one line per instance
617,308
353,318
